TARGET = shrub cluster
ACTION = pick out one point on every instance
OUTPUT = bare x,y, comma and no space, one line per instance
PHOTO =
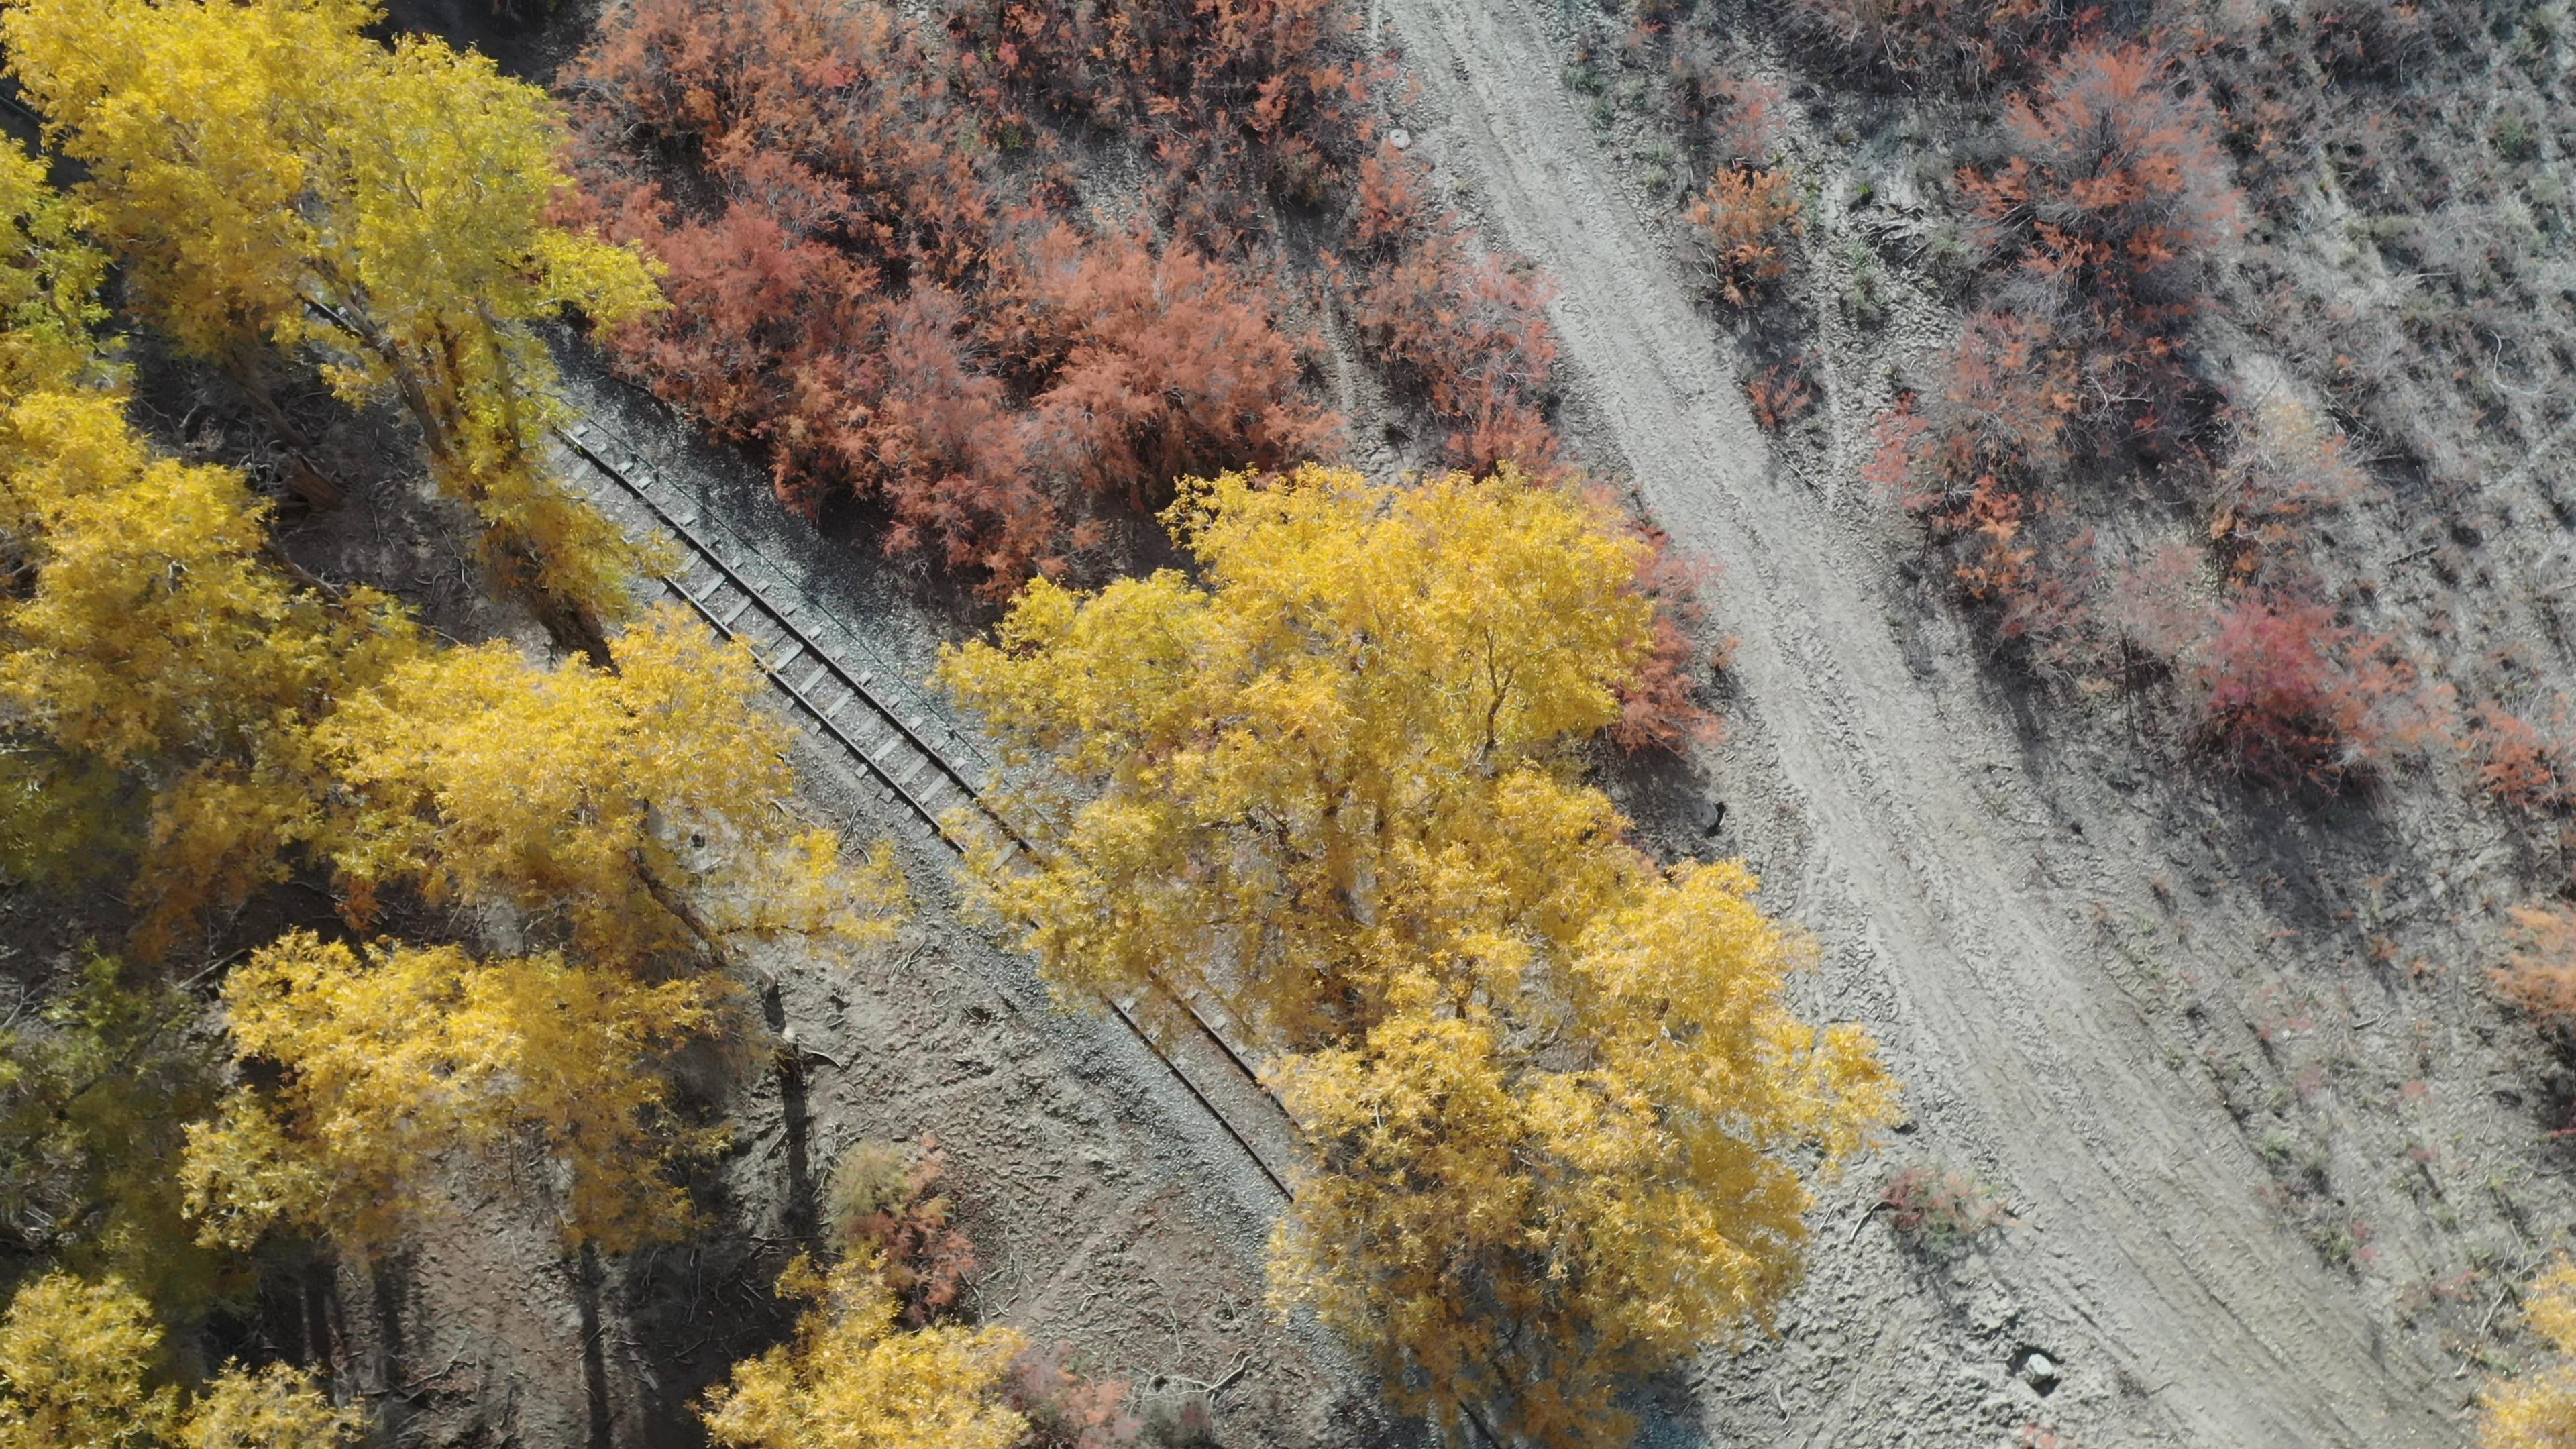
1743,226
1463,333
1941,1212
1239,104
882,1204
876,273
2102,219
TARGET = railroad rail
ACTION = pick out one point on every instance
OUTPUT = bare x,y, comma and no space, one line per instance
847,707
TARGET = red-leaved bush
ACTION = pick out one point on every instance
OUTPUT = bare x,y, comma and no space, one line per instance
1064,1410
1236,99
2116,184
1659,710
882,1204
2288,696
2524,766
1979,461
2104,218
862,287
1469,336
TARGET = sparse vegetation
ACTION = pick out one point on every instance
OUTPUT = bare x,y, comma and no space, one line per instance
1942,1212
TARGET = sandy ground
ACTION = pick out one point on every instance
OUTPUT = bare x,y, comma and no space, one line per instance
2147,1266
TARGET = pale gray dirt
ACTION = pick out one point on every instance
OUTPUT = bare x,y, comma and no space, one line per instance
2147,1264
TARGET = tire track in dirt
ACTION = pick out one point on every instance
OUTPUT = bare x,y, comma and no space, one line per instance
2151,1239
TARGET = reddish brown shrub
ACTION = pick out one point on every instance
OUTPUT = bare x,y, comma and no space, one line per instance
1389,204
1942,1212
2116,184
1236,99
2525,767
2539,976
1979,462
861,287
1169,366
1471,339
1066,1410
1781,393
1660,709
881,1202
2289,696
1744,226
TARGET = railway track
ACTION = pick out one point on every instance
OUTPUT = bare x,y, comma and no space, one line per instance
905,751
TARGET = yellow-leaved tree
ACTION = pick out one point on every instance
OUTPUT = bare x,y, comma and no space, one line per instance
270,171
49,278
2538,1410
153,642
635,822
1553,1094
76,1360
391,1058
152,661
850,1378
632,813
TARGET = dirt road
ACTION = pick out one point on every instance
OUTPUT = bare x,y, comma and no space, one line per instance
2149,1247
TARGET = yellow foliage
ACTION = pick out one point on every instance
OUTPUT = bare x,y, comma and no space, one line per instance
156,641
49,277
2539,1410
1552,1092
269,170
74,1356
271,1409
74,1360
636,810
394,1060
850,1379
1219,770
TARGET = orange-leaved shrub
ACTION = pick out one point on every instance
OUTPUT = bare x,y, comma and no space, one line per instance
2115,186
2539,975
1744,227
2525,766
863,287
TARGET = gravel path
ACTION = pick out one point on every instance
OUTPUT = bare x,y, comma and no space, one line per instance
2150,1246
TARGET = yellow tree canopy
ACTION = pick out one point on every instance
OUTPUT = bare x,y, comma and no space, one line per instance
49,277
391,1059
75,1360
2538,1411
154,639
634,811
1221,769
1553,1093
850,1379
269,170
